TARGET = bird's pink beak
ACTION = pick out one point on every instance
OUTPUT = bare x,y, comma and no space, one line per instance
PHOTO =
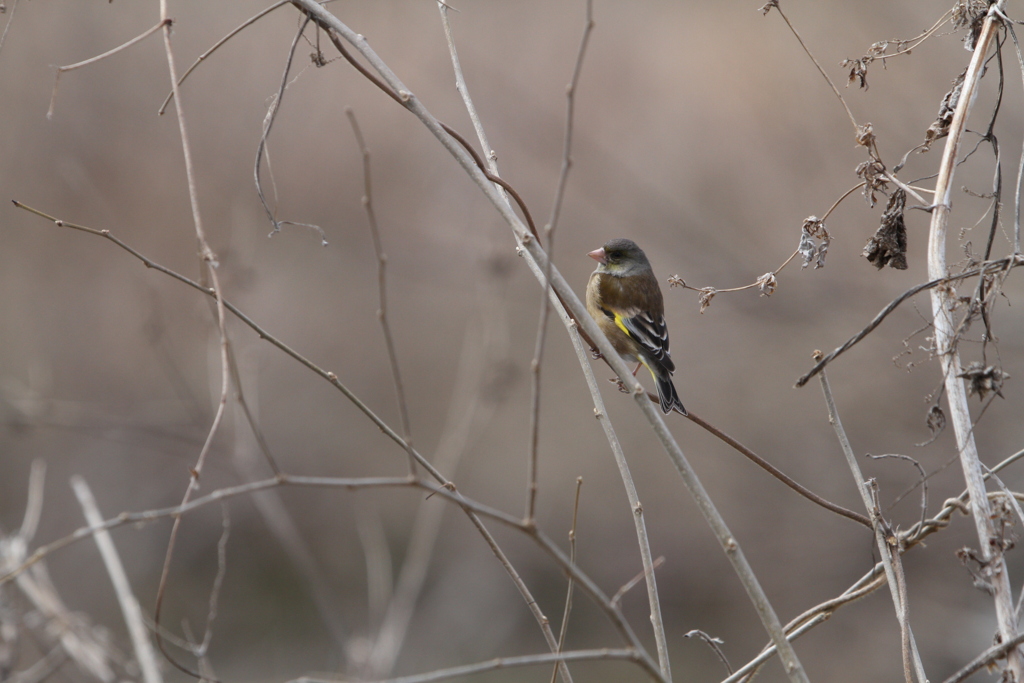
598,255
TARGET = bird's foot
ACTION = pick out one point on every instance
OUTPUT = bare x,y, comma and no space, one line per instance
619,384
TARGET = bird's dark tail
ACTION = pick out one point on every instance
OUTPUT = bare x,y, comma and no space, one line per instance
667,393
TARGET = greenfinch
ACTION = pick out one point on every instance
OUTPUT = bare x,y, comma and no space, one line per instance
624,298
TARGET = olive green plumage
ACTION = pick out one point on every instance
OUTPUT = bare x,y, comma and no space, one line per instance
624,298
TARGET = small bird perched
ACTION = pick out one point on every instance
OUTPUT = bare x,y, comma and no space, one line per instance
624,298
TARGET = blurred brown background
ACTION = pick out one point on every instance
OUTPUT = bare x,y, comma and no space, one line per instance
702,131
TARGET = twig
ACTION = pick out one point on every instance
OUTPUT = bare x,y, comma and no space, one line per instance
646,557
712,643
201,650
923,483
463,90
629,585
164,21
122,588
779,474
987,657
268,123
465,412
564,627
549,236
985,269
382,312
676,281
945,344
34,502
775,4
808,620
7,26
259,330
201,58
282,525
209,261
874,579
888,545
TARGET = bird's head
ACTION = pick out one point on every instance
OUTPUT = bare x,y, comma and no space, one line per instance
619,257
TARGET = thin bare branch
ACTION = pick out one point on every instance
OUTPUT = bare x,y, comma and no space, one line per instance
775,4
382,312
201,58
34,502
991,267
549,236
7,26
165,21
779,474
268,123
564,628
130,609
994,653
888,544
209,263
639,523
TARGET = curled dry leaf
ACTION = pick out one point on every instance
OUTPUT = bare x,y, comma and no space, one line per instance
676,281
767,7
858,71
936,420
888,246
810,250
859,67
706,295
969,14
767,284
866,135
872,172
940,127
983,379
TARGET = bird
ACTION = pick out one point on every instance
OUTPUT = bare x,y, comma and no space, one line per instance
624,299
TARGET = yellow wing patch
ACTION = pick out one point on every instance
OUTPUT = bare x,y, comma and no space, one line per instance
621,325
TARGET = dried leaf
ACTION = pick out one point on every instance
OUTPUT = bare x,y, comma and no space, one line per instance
811,251
940,127
970,13
936,419
872,172
767,284
866,135
888,246
982,379
858,71
706,295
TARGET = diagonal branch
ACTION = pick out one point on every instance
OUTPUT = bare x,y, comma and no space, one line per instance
535,254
